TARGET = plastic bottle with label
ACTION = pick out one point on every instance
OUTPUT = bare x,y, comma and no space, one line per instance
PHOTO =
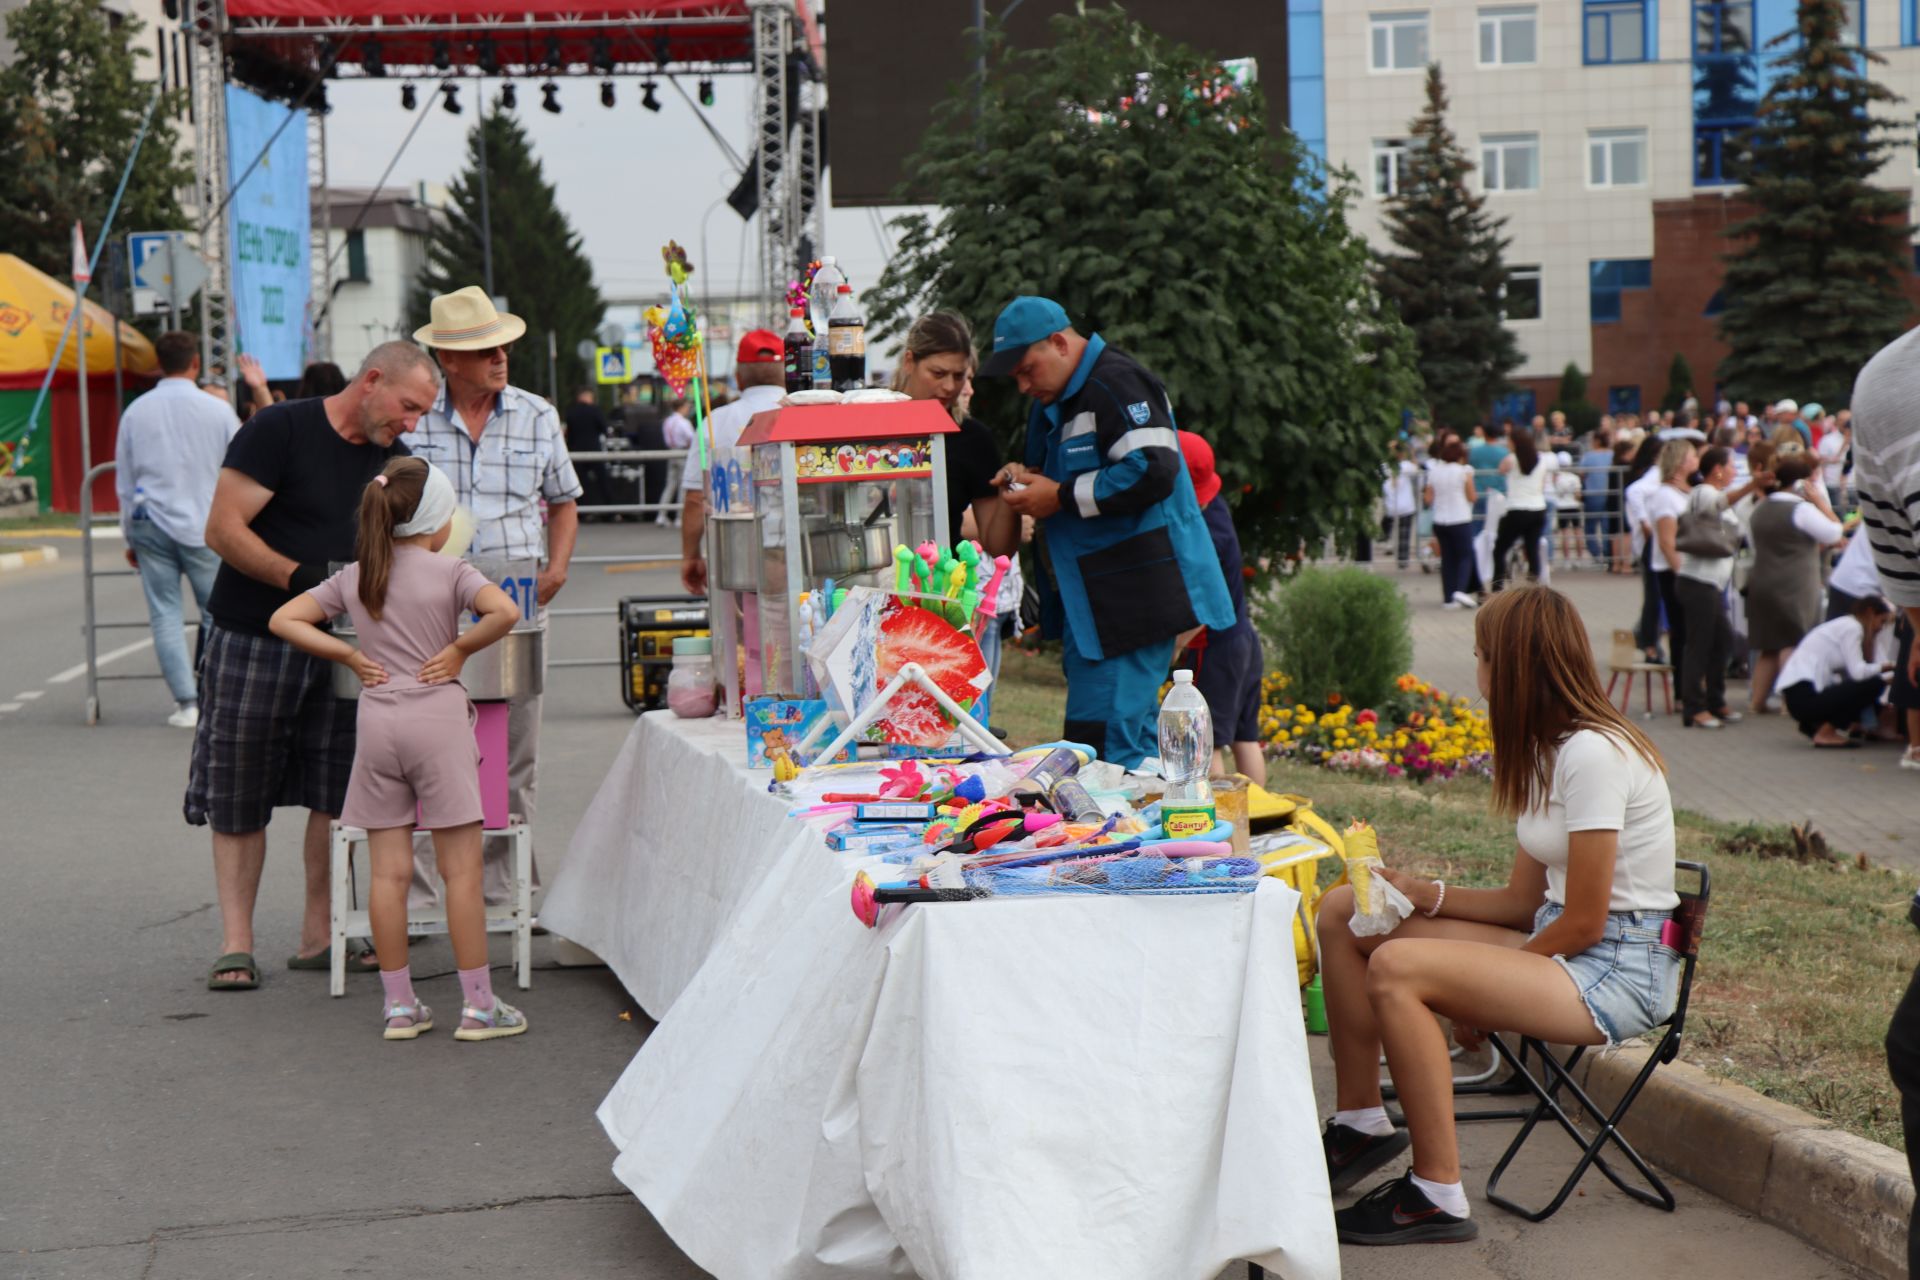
799,353
1186,757
826,281
847,341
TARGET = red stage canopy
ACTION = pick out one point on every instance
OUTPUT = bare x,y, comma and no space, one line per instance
522,38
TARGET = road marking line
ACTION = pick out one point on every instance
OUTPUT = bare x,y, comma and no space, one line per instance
74,673
9,706
29,695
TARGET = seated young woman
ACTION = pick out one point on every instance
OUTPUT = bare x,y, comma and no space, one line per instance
1569,951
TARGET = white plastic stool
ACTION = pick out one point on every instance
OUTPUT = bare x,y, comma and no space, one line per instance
516,917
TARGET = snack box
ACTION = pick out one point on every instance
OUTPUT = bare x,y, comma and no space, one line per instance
850,837
895,811
792,719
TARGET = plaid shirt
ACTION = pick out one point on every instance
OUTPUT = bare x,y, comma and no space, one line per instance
520,459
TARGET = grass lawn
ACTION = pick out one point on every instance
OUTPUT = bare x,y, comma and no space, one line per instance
1801,967
50,520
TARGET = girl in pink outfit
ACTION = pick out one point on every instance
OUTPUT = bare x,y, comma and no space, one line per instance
415,753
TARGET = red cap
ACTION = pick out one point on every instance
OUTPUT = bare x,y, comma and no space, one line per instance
1199,455
761,346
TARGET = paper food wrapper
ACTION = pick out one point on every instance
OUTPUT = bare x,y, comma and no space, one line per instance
1378,907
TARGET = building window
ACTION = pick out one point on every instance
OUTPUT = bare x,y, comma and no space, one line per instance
1617,31
1389,157
1510,162
1909,22
1718,302
1717,153
357,257
1509,37
1616,157
1399,40
1722,27
1623,400
1520,300
1608,278
1515,406
1853,23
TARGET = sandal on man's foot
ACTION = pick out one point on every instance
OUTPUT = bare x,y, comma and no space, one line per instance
490,1024
233,962
415,1019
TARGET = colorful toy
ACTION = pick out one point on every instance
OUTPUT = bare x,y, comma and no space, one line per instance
673,331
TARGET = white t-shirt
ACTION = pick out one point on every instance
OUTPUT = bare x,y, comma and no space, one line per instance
1833,457
1635,503
1600,785
1855,574
1450,505
1831,652
728,422
1665,501
1808,519
1527,491
1398,492
1715,571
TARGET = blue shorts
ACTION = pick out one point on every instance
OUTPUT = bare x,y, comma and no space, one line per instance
1629,980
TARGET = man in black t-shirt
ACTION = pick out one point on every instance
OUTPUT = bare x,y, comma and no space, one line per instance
271,732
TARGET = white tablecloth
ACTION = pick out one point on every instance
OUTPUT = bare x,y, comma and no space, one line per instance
1046,1087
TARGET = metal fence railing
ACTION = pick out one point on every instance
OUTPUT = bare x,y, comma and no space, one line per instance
1587,530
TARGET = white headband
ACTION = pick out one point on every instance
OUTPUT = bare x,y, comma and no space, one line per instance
437,502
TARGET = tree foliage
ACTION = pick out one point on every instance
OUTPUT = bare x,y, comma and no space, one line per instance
1679,382
1582,417
1113,173
70,108
1447,279
538,263
1813,290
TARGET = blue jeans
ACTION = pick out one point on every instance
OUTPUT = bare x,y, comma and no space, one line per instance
162,562
1599,526
1113,704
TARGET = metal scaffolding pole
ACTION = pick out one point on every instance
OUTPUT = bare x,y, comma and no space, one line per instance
206,22
320,237
772,39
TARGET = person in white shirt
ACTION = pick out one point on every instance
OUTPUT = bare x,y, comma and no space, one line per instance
1569,950
1524,522
1642,478
758,366
1835,675
1450,494
1663,507
1700,587
172,442
1400,502
1836,442
1854,577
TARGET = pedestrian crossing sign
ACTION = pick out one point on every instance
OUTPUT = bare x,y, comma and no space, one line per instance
613,365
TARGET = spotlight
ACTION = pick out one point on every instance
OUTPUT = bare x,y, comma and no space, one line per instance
550,97
452,105
553,52
602,54
508,99
606,93
488,58
442,58
706,93
371,63
408,98
648,98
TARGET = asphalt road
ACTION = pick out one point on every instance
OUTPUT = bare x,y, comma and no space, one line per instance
154,1129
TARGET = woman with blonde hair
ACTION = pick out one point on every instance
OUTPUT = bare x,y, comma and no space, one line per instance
1569,950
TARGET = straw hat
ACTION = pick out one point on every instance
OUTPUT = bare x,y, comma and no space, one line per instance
466,320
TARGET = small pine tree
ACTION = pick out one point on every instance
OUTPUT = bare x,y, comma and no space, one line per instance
1582,417
1813,290
1447,279
538,263
1679,382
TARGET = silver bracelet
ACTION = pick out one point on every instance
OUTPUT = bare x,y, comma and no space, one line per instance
1437,902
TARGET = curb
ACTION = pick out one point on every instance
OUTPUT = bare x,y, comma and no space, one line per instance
1840,1193
10,560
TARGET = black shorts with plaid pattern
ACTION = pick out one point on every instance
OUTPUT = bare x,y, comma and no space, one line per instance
271,734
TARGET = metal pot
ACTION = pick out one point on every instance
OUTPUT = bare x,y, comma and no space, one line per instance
842,549
736,553
515,667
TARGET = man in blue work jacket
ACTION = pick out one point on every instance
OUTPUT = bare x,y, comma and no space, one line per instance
1127,563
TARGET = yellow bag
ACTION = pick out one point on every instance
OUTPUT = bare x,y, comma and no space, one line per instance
1268,812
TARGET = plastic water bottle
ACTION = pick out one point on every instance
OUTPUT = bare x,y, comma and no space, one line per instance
847,341
1186,755
826,281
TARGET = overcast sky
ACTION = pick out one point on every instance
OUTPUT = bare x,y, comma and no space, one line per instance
629,179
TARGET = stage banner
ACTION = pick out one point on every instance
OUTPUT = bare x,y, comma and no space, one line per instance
267,229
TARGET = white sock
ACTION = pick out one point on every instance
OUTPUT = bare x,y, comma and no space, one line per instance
1448,1196
1368,1120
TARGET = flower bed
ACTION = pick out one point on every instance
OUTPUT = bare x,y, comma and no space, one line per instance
1420,732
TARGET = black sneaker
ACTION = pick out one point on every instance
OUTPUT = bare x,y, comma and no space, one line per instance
1352,1155
1398,1212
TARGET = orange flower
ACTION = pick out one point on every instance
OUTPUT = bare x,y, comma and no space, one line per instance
1333,699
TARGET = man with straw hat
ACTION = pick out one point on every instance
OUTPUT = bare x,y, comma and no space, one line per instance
505,451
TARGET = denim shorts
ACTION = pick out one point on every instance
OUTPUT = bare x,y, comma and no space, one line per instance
1630,980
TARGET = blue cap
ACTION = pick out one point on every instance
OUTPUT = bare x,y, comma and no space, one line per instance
1022,322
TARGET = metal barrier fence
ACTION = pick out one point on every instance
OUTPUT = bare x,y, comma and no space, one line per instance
669,504
1585,532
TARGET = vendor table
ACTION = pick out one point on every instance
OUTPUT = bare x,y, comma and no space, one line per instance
1049,1087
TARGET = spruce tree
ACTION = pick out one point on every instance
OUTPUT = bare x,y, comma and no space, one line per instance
1813,291
1582,417
1679,382
538,263
1447,279
70,107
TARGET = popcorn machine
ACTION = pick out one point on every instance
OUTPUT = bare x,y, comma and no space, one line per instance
835,489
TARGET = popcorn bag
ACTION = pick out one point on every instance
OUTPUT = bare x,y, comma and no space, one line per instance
1378,907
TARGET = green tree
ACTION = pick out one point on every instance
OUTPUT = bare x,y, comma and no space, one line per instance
1120,174
1679,382
70,108
538,263
1582,417
1813,290
1447,279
